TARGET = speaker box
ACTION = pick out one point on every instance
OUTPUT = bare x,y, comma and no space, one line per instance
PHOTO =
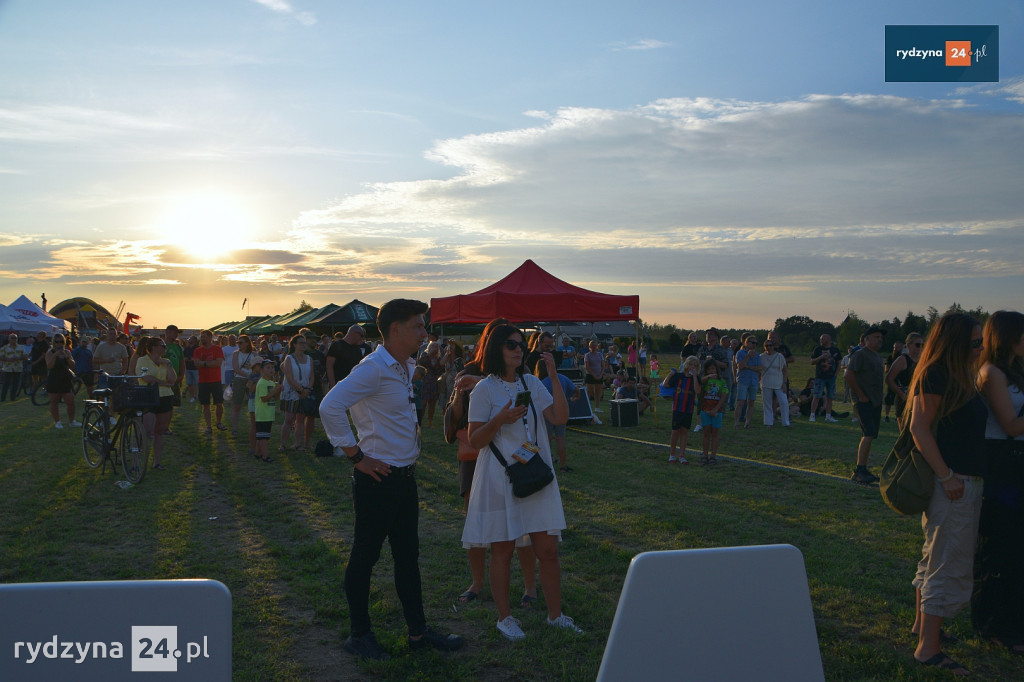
625,412
579,409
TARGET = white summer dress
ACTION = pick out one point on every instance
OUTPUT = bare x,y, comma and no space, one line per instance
495,514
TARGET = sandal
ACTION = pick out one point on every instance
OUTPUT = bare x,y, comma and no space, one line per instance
468,596
527,601
208,431
221,427
944,662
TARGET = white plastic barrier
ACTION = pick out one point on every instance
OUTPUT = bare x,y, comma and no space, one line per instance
733,613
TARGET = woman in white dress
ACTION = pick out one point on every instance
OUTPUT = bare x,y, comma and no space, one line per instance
495,516
774,375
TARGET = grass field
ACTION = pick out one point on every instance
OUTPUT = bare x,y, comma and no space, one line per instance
278,536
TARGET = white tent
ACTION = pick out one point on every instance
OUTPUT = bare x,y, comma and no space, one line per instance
30,318
20,327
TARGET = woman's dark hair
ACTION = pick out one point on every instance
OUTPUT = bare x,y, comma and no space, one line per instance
1003,331
144,343
478,355
245,337
540,370
948,348
494,359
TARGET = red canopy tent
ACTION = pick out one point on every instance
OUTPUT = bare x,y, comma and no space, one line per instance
531,294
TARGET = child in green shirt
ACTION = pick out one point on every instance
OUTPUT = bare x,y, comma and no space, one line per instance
716,390
267,390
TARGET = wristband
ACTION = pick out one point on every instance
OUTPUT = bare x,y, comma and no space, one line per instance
950,475
356,458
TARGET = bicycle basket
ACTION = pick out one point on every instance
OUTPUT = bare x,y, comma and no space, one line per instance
130,396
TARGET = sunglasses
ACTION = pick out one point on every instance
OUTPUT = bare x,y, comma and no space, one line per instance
512,344
977,343
919,344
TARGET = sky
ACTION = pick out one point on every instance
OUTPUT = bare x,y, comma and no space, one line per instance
732,163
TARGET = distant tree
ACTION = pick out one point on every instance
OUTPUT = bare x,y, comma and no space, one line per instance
931,314
850,330
303,307
801,333
914,323
673,344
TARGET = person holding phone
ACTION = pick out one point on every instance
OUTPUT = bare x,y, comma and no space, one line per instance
500,415
58,381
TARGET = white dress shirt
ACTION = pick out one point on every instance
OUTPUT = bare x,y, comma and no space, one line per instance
378,392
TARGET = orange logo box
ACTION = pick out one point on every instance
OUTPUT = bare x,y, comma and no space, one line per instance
958,53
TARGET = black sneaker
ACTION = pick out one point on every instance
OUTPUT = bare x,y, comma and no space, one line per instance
865,477
366,646
432,638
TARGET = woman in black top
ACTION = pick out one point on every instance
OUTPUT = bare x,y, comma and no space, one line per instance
947,421
58,380
901,371
997,605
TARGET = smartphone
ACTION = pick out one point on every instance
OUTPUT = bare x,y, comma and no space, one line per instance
523,399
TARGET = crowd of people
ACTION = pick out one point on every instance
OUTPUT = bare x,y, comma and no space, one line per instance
960,393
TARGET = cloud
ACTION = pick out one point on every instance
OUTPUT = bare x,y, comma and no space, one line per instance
645,44
62,123
1011,89
688,191
282,7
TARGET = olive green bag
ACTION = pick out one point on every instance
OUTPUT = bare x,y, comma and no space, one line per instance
906,480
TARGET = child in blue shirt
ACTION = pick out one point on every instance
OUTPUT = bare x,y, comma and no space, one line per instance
685,386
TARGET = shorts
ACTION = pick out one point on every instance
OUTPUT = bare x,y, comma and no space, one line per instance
239,391
466,469
682,420
191,377
707,421
870,417
165,406
824,388
292,407
746,391
555,431
890,398
643,362
229,376
211,391
263,430
593,380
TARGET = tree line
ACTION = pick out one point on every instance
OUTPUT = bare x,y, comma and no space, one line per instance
801,333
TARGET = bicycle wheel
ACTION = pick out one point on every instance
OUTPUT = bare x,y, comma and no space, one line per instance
40,396
95,439
134,449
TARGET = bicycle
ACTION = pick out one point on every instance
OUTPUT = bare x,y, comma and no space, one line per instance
124,443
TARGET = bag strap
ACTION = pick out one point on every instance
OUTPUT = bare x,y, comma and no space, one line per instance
497,452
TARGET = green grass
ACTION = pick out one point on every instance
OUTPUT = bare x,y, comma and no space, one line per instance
278,536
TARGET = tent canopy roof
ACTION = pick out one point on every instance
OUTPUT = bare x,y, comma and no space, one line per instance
531,294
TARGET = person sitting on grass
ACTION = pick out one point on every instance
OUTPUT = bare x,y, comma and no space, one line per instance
267,392
628,391
685,386
711,407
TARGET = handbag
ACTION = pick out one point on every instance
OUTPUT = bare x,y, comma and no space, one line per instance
906,480
526,478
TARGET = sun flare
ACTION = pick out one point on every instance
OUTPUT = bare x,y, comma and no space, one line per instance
208,226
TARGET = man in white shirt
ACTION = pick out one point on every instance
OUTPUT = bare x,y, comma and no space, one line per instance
378,393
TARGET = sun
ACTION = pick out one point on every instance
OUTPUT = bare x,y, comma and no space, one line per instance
208,225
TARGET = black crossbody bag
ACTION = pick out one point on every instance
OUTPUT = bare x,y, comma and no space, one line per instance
526,478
